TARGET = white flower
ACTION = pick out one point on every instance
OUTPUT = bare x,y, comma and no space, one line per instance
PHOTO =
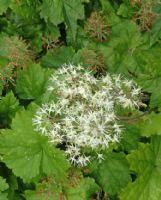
83,160
135,92
100,157
125,102
73,159
128,83
85,113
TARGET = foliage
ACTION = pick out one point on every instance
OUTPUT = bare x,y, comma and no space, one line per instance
31,82
112,182
28,153
3,187
37,37
47,189
82,190
146,163
9,105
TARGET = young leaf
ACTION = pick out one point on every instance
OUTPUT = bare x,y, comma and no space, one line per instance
3,186
9,103
8,107
28,153
146,163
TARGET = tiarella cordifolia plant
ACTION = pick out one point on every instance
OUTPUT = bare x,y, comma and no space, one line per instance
85,115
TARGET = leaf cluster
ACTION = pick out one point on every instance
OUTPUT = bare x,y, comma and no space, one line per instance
105,36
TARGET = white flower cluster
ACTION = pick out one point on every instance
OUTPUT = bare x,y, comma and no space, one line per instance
85,115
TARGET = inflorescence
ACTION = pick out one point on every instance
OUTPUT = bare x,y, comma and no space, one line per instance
84,117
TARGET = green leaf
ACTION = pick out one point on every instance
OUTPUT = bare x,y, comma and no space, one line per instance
9,103
31,82
149,74
4,4
28,153
83,190
151,125
73,10
120,50
51,34
3,196
25,10
155,33
48,189
113,173
146,163
57,57
125,10
13,187
52,11
68,11
24,20
109,11
130,138
3,186
106,6
8,107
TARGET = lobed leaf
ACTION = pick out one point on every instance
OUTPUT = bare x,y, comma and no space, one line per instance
151,125
113,173
4,4
28,153
146,163
32,82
